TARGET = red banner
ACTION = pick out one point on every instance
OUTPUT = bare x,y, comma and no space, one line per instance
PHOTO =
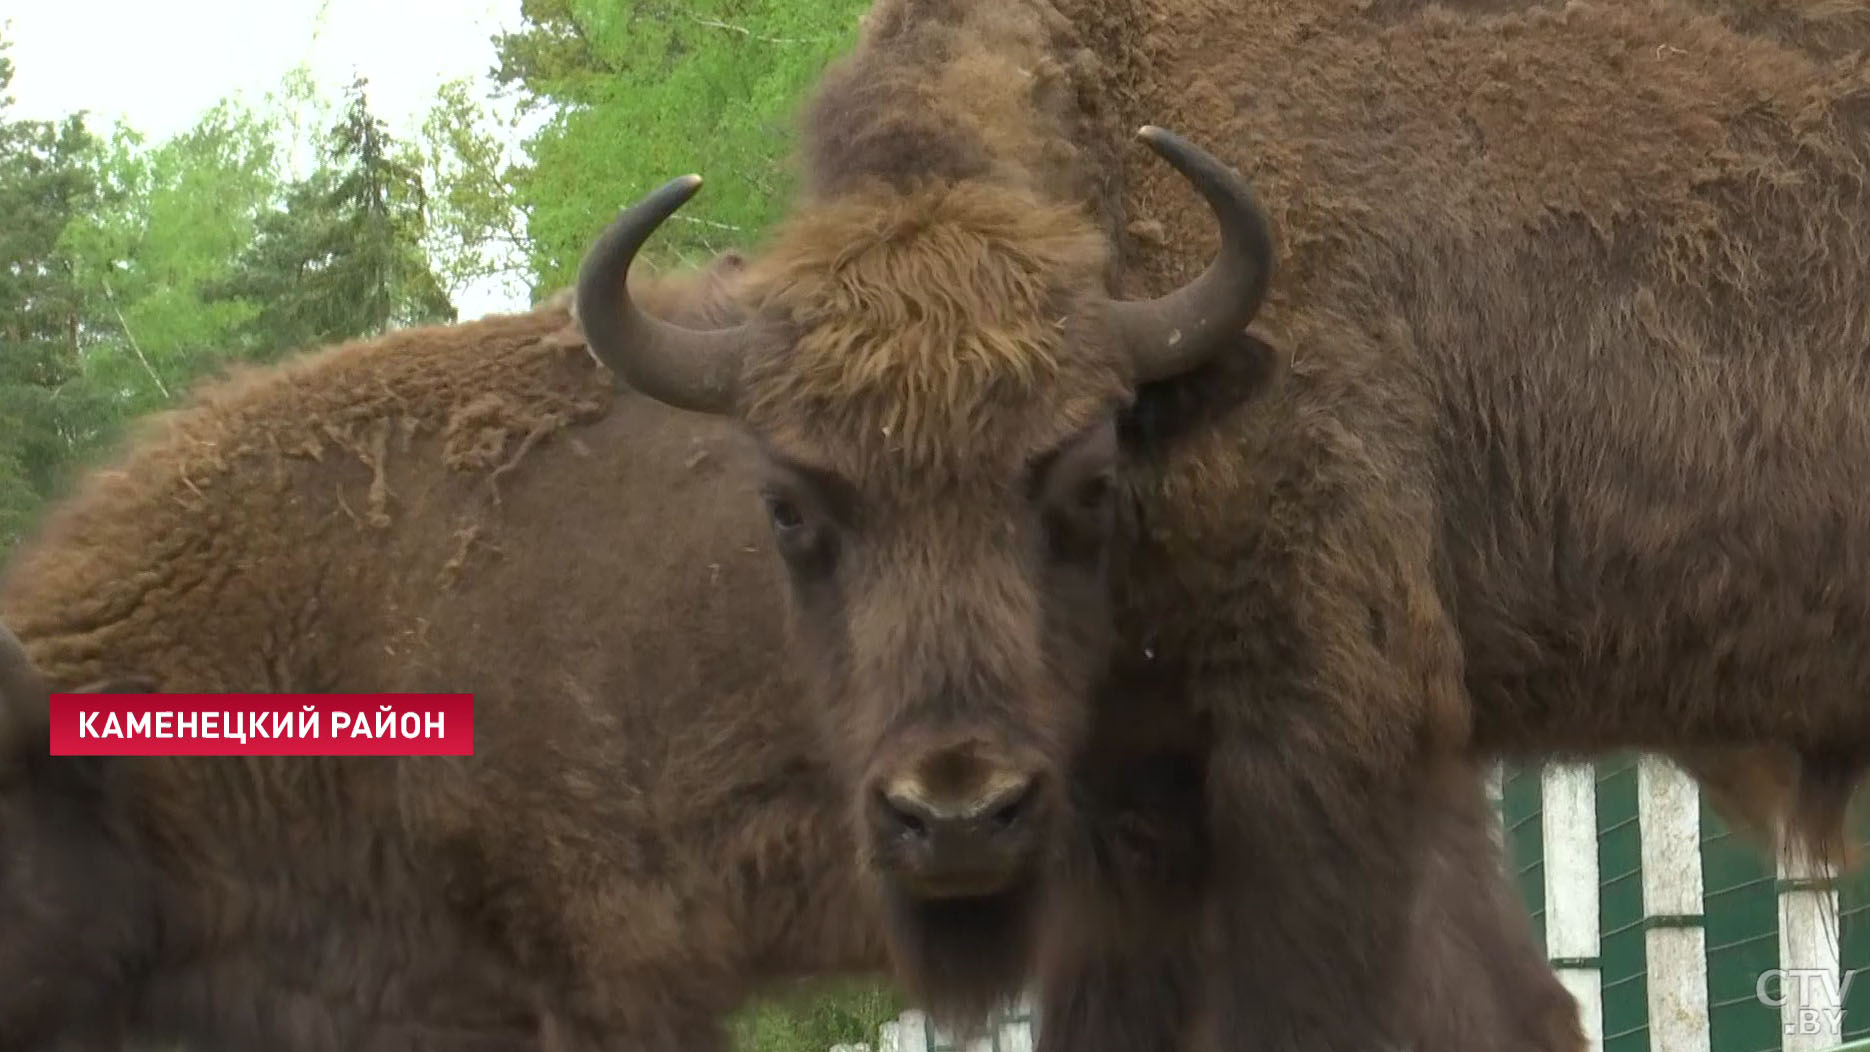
262,725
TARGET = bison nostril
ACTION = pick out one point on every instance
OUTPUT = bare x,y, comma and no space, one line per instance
903,820
1009,813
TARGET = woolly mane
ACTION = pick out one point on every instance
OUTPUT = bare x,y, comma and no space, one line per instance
961,90
954,226
1346,147
934,317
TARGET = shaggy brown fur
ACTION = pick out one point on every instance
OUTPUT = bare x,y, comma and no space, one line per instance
647,833
1499,991
1569,455
1825,28
649,830
1117,973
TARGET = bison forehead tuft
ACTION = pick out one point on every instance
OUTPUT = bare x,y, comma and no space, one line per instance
933,329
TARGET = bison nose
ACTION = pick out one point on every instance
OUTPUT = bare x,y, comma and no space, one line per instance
1000,807
960,821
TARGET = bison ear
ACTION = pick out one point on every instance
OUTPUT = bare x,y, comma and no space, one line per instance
1167,412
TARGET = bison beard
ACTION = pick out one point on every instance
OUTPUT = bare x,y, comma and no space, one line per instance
969,954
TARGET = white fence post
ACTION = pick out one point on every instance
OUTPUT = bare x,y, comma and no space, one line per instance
890,1037
1674,941
1010,1028
1568,811
1811,1005
1018,1031
912,1032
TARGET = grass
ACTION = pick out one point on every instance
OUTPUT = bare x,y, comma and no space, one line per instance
812,1019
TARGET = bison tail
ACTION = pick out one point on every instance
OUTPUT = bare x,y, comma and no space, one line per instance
1750,788
1779,799
1819,822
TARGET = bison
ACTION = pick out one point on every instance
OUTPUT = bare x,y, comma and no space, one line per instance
1544,437
649,830
645,836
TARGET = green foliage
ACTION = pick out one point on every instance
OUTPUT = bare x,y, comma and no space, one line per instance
344,258
645,90
129,270
815,1017
477,222
44,182
167,225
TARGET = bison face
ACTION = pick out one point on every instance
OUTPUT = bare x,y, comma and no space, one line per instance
934,373
955,626
953,617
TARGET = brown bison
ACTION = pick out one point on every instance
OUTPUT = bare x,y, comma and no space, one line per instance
646,834
1547,438
649,831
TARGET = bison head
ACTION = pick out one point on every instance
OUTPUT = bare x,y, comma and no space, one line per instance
935,374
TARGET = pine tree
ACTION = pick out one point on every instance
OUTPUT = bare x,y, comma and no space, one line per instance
44,181
343,258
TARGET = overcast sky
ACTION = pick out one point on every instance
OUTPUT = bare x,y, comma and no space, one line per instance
159,65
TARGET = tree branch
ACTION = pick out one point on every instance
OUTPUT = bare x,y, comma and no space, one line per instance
128,335
706,222
750,34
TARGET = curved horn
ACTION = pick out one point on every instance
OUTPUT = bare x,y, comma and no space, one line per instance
1174,333
685,368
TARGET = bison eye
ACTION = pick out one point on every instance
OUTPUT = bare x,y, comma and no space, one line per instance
784,513
1093,493
801,534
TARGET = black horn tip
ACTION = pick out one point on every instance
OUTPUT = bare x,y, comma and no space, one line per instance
685,368
1191,160
616,247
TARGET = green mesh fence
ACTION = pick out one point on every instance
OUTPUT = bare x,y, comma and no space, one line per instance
1740,903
